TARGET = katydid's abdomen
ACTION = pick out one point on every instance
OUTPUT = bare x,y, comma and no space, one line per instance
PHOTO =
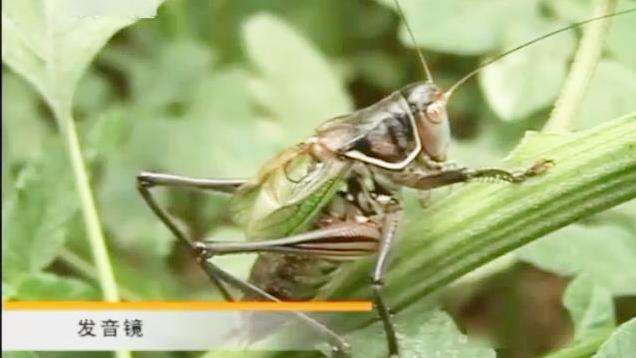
301,193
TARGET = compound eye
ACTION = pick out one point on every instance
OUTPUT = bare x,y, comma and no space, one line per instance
434,112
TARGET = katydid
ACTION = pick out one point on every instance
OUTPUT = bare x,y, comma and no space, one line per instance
336,196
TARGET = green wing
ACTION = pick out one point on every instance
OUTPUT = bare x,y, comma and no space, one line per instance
288,194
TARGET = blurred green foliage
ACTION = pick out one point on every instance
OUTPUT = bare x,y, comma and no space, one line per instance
620,343
215,88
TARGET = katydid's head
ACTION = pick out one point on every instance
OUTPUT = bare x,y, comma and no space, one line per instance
428,103
428,107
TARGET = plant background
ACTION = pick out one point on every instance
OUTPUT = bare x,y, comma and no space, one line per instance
215,88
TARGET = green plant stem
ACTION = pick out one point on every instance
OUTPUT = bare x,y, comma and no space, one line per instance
594,171
89,211
583,349
177,19
85,269
585,61
59,99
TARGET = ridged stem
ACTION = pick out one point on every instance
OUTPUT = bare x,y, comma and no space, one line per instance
594,171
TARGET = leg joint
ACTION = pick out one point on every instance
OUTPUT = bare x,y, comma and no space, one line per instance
144,180
203,250
377,282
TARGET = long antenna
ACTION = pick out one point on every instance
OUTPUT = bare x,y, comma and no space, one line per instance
504,54
417,49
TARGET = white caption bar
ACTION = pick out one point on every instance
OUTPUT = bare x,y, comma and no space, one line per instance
150,330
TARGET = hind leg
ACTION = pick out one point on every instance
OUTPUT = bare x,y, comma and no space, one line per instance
339,345
218,276
148,180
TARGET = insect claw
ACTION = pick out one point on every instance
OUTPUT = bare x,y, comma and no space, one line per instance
541,166
538,168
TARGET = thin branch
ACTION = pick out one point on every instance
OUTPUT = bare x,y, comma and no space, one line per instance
89,211
585,61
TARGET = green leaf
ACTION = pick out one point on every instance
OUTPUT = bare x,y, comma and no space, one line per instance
620,37
605,252
208,139
26,130
165,79
20,355
135,228
603,101
46,286
108,133
231,354
8,291
36,216
296,84
94,92
217,119
214,119
623,215
590,306
571,10
373,66
50,47
74,354
431,333
435,24
621,344
510,91
221,121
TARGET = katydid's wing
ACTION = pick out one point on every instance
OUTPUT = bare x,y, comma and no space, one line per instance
246,197
287,195
383,134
